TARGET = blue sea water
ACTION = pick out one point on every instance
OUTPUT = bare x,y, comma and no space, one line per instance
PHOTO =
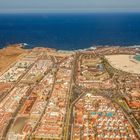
70,31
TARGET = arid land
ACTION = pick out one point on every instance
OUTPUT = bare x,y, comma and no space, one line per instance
9,55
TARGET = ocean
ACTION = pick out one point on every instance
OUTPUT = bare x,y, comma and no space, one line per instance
70,31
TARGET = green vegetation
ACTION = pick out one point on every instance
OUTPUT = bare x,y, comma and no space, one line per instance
123,104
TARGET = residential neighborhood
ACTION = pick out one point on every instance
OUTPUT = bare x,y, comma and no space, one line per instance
81,95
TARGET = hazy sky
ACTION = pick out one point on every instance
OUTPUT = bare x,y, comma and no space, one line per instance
68,5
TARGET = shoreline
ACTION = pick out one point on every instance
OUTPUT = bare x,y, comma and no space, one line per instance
15,50
26,47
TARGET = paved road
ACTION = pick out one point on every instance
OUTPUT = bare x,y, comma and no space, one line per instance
10,123
67,121
130,118
18,81
43,112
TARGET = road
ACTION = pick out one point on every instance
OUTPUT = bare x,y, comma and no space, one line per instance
18,81
11,122
43,112
105,94
68,113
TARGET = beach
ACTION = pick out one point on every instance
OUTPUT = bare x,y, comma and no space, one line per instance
124,62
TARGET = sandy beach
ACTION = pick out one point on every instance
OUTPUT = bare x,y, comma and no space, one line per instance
124,62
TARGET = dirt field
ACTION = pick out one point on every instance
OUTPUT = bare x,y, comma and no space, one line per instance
10,54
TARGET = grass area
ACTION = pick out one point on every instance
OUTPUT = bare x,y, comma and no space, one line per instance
123,104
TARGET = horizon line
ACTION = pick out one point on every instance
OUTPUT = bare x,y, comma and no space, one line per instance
97,10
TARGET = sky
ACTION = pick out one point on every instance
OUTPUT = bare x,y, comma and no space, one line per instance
18,6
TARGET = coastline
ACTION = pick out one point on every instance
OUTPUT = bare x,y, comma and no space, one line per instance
25,46
11,53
